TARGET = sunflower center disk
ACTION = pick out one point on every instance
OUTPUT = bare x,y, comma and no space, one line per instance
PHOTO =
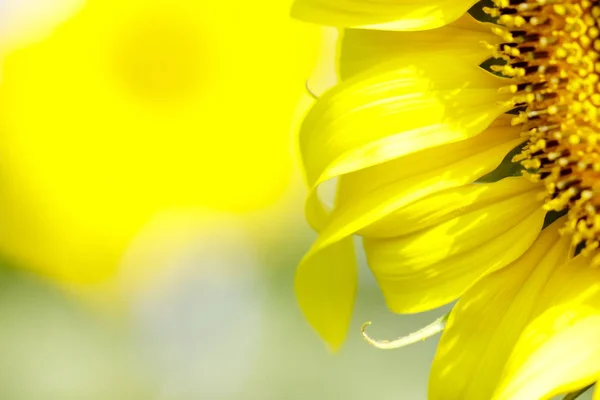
551,51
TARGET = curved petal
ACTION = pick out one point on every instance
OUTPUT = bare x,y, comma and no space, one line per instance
402,15
439,169
488,320
457,163
325,287
385,114
465,39
395,110
464,156
434,265
350,217
558,352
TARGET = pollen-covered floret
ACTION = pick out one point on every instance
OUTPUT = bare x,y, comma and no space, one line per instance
551,49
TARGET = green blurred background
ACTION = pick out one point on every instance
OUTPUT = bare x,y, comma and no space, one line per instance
202,337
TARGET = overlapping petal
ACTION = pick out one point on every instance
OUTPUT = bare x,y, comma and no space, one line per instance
394,110
488,320
361,204
450,239
369,196
464,39
402,15
464,157
558,351
391,111
527,331
528,321
422,125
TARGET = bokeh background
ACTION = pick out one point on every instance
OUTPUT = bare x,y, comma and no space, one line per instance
151,209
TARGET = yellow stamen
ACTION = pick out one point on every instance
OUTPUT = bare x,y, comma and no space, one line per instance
553,56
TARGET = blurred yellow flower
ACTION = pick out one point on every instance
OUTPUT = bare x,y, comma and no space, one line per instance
128,108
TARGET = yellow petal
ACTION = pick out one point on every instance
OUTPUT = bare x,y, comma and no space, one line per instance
447,205
428,164
386,114
487,321
402,15
382,116
396,110
325,288
433,266
460,164
361,49
558,352
350,217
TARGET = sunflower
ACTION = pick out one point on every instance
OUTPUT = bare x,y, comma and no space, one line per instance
465,154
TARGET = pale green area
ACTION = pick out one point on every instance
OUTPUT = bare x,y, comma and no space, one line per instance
218,339
240,339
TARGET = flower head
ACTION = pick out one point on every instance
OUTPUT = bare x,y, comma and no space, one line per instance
424,134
